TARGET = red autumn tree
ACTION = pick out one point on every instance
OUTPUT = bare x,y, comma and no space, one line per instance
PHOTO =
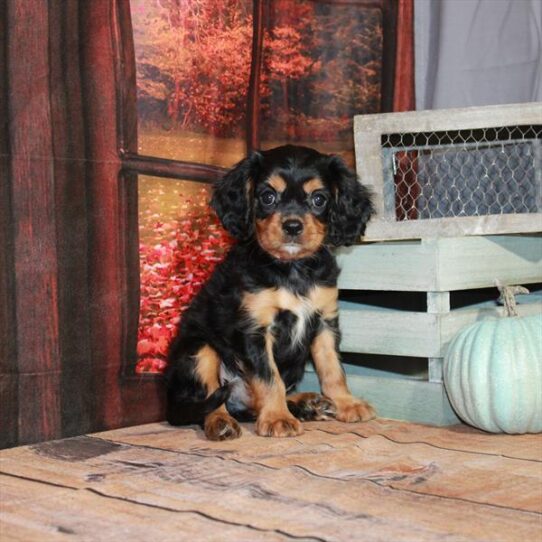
193,59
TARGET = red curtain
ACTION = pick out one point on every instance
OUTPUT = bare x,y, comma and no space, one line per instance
403,95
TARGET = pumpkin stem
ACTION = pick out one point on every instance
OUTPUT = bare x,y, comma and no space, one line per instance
508,299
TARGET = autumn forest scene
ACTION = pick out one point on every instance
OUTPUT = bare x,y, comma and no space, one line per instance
321,64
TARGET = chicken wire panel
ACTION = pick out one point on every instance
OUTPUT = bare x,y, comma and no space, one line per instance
466,173
451,179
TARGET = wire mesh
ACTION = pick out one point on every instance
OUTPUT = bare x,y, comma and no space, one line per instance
444,174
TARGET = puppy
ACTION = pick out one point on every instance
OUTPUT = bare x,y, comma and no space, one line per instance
271,305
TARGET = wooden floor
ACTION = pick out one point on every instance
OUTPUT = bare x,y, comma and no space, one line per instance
380,481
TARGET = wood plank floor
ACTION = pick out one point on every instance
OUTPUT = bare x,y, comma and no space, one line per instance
383,481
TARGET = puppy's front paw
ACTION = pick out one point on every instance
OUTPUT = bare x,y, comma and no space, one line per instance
282,425
351,409
221,426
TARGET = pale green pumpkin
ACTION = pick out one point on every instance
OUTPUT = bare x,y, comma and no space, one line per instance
493,374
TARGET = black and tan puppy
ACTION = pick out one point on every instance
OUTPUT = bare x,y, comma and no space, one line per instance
271,305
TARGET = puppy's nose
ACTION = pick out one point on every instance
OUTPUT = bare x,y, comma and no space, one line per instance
292,227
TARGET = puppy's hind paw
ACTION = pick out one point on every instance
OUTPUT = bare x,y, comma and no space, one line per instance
220,426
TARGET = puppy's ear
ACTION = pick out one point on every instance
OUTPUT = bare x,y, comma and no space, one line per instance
232,197
351,206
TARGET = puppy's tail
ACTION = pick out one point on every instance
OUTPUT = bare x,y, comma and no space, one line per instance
187,412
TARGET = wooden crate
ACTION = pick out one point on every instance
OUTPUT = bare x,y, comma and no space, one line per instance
391,149
436,267
442,264
375,330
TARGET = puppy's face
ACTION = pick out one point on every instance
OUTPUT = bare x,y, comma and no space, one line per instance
290,212
292,200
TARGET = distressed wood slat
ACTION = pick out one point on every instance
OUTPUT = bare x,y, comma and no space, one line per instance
381,230
374,330
66,31
385,479
368,457
9,413
462,118
367,329
33,511
32,183
441,265
460,437
475,262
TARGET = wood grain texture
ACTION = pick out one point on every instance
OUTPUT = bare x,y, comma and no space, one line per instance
476,262
9,413
45,212
32,205
373,330
172,169
383,479
103,168
76,385
442,265
463,118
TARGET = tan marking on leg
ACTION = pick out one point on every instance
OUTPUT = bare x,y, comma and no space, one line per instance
208,368
218,425
324,299
333,381
274,418
328,365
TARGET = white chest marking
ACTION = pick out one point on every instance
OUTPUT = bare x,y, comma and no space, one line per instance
303,310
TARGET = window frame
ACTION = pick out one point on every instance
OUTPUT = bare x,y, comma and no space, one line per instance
134,164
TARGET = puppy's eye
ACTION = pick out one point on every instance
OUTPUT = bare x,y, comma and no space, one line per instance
319,200
268,198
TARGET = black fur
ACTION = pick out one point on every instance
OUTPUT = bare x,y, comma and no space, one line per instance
216,316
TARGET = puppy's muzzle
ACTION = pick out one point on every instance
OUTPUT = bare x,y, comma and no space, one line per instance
292,227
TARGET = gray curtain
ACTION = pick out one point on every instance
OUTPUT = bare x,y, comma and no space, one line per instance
477,52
